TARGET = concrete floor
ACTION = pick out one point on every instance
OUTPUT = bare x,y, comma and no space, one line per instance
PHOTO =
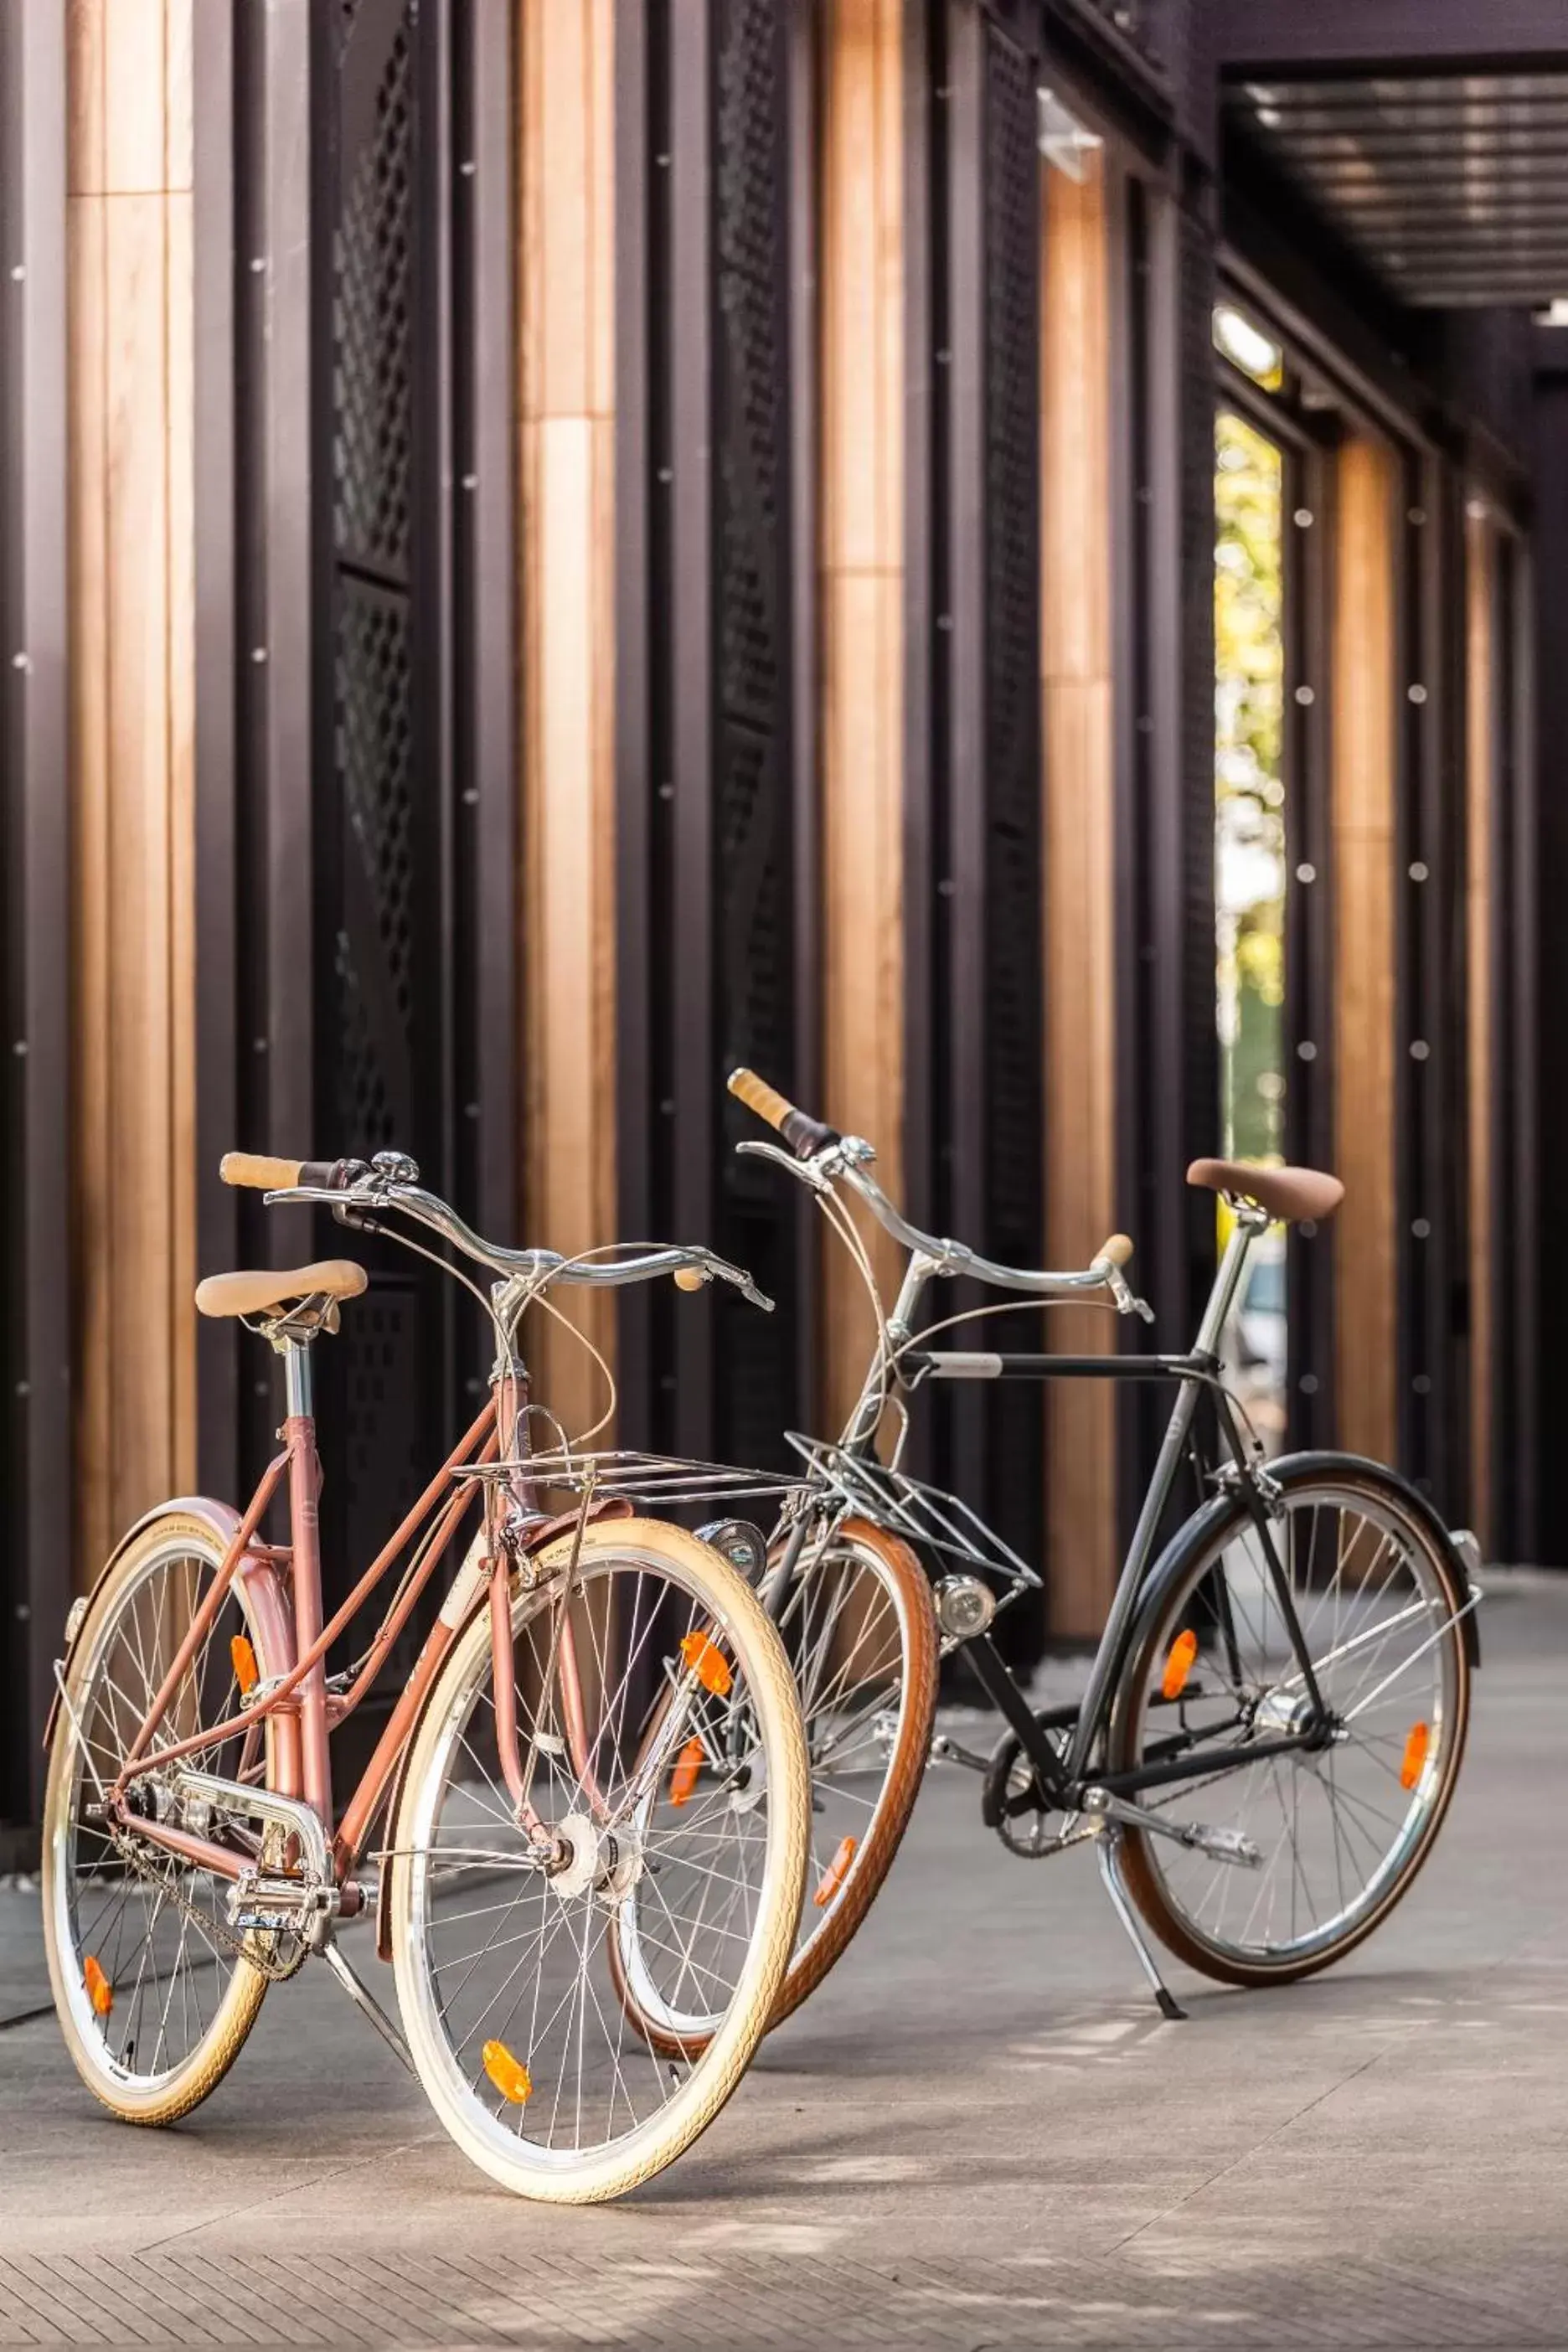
979,2134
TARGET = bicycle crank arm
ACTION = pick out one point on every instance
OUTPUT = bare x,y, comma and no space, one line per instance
1220,1845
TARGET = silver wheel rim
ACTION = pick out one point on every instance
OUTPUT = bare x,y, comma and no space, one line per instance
1339,1828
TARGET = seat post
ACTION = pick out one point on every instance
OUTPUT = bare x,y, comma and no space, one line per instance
298,1385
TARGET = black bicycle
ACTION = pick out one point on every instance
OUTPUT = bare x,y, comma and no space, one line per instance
1275,1716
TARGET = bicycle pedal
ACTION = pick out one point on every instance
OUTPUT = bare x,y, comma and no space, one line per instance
1224,1845
271,1904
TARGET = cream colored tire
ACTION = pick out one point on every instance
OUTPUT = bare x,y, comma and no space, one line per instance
446,1780
204,2025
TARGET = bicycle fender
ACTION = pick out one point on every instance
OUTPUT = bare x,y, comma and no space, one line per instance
221,1518
1290,1470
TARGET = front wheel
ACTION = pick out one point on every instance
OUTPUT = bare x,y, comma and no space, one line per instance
1340,1828
660,1741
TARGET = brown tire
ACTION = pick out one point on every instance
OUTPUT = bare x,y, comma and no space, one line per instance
898,1638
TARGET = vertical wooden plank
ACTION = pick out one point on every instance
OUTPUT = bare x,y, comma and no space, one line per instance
85,98
179,96
92,1048
135,148
1079,869
861,587
1362,800
137,1223
567,479
180,442
1482,667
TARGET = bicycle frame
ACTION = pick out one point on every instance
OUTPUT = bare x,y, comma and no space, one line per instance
296,1700
1198,1371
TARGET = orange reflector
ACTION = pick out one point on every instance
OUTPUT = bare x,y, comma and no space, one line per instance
683,1779
837,1871
1179,1664
1415,1748
99,1991
246,1672
707,1661
509,2075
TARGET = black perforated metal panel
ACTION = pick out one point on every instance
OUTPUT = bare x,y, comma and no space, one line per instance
1012,1041
753,962
379,847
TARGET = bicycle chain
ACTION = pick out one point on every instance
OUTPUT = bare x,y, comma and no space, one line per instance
276,1971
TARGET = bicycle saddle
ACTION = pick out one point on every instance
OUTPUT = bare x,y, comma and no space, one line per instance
1287,1193
253,1294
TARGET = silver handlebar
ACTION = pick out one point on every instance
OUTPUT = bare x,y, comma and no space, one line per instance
429,1210
846,1159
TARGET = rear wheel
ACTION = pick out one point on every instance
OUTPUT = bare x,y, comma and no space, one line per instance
153,1998
1341,1830
861,1633
648,1660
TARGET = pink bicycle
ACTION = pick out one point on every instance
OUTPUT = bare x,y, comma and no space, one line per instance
595,1771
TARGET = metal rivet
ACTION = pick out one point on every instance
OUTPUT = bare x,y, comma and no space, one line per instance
666,792
258,653
1302,517
1420,1227
468,169
20,1048
20,661
23,1388
1416,693
471,798
1307,1051
1419,1049
1305,696
23,1613
945,359
262,1388
667,1109
1305,872
1419,870
1308,1384
18,271
1421,1384
1417,515
257,265
666,473
946,888
663,163
470,481
470,1111
259,1044
944,620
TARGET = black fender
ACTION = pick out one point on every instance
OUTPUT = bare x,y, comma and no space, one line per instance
1295,1470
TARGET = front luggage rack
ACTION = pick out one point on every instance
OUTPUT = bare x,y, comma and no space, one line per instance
658,1481
923,1514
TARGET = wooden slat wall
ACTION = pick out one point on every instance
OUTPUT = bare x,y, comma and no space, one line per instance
1365,850
567,486
1081,945
1482,691
132,661
862,597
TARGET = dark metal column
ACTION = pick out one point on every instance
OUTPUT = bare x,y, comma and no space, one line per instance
34,904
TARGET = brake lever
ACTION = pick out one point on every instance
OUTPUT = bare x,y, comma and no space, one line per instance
1127,1302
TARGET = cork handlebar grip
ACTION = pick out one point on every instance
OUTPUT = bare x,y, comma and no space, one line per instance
1115,1252
258,1172
758,1095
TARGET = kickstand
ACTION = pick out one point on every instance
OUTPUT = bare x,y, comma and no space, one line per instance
1108,1844
365,2002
